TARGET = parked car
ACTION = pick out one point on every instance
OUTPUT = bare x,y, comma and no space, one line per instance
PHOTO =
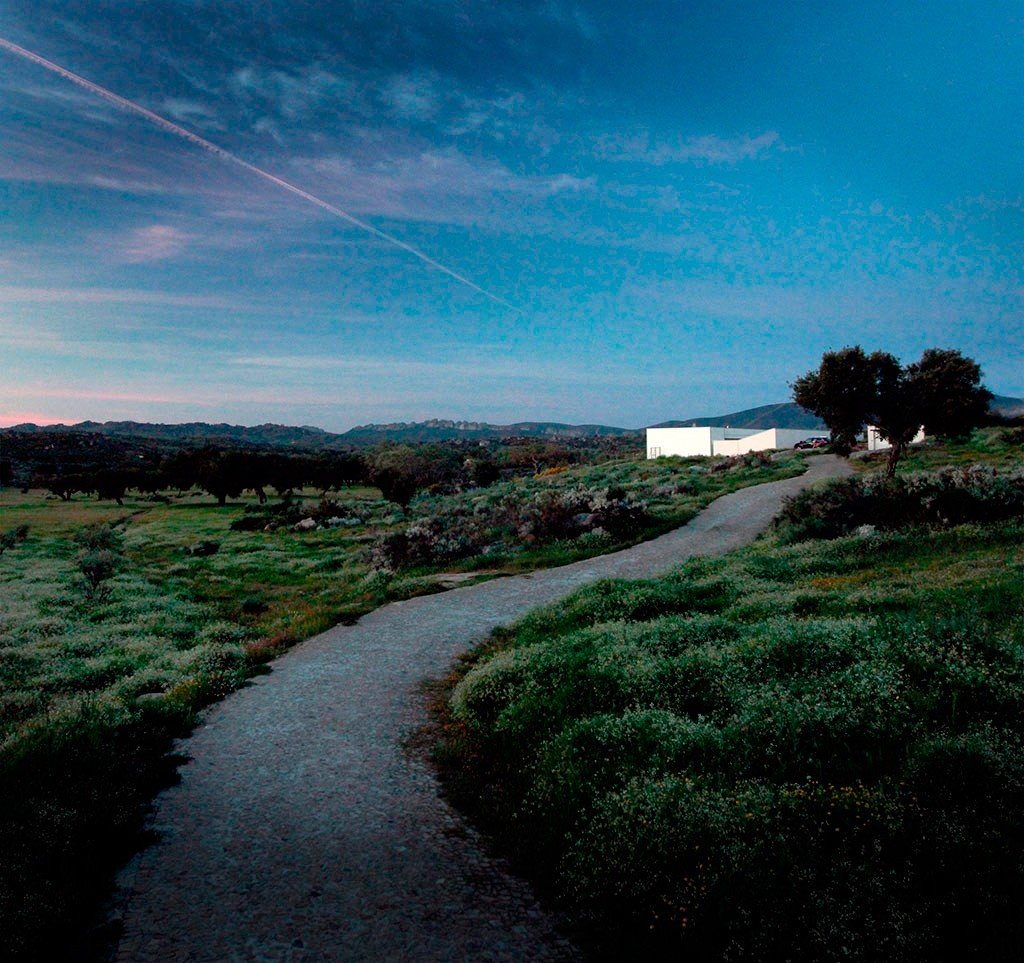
818,442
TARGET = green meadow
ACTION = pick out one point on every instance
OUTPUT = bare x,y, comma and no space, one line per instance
119,623
808,749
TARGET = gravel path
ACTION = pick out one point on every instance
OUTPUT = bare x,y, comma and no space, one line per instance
300,830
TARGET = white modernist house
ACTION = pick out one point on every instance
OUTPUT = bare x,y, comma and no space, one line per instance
705,440
877,443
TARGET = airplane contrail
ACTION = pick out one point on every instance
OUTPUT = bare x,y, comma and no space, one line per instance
173,128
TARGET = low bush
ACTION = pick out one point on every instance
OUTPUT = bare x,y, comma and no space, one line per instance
12,537
952,496
513,522
101,556
695,776
100,537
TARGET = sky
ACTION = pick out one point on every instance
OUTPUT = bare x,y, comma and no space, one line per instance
643,211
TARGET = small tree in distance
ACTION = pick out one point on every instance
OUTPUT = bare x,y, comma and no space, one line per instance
941,393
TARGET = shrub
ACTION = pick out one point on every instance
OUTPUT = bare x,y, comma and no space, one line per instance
952,496
100,536
215,669
97,567
204,548
600,754
791,787
12,537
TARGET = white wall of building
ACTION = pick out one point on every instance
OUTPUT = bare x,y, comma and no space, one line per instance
704,440
734,446
877,443
686,442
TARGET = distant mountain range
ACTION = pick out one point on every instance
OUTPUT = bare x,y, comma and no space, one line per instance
310,438
305,437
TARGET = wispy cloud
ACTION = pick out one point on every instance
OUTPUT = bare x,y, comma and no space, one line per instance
417,96
705,149
472,370
444,185
85,394
292,95
190,112
64,295
157,242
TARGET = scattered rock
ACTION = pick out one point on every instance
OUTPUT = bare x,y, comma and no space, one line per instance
306,525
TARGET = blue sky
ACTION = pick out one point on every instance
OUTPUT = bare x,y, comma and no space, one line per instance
687,203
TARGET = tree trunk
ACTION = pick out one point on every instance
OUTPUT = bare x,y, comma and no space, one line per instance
895,453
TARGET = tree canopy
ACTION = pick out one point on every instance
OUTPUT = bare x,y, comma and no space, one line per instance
850,389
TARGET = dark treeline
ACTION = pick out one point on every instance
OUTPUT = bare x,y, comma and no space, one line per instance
221,473
76,463
72,463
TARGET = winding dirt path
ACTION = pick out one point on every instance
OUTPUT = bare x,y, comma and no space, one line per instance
301,831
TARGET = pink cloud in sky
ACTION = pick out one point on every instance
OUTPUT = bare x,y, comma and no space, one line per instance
42,295
76,394
158,242
7,419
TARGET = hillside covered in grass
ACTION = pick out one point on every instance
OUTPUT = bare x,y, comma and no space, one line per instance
808,749
119,622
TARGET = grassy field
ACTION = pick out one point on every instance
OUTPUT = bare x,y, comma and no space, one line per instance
808,749
999,447
118,623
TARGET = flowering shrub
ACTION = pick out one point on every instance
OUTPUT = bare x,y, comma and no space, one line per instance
951,496
698,776
512,522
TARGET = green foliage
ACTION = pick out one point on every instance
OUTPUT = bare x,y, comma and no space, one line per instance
400,471
100,557
93,686
557,516
97,566
100,537
841,392
92,690
72,798
947,393
806,751
12,537
948,497
942,392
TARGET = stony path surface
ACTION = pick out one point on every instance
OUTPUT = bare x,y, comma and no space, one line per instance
301,831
